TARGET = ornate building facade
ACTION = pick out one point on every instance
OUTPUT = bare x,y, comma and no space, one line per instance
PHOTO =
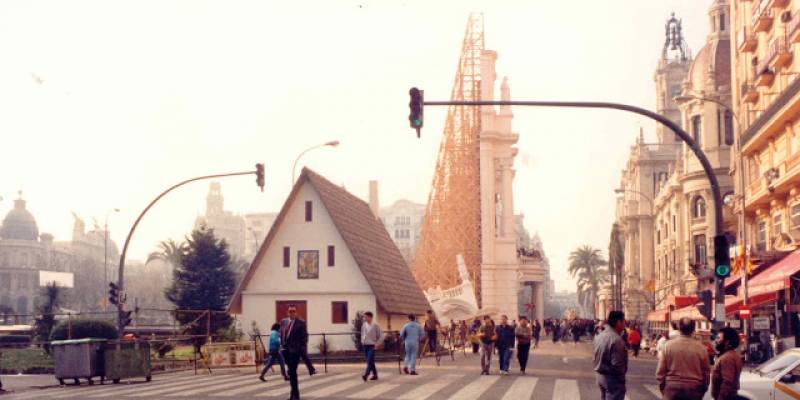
226,224
403,221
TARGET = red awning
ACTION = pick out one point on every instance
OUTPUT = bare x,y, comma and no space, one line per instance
658,315
691,312
775,277
734,303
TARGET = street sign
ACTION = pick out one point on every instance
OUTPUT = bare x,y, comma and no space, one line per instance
745,313
761,323
734,323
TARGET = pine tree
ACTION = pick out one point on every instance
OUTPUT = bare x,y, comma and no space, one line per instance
204,280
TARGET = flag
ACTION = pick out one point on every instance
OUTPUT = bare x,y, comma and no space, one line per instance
749,261
650,286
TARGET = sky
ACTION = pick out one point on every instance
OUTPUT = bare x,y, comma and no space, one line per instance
104,104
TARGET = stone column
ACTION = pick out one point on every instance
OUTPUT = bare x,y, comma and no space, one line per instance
508,199
538,294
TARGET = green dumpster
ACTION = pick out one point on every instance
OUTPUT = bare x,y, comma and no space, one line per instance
78,358
127,359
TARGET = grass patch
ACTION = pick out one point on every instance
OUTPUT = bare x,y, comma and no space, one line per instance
31,360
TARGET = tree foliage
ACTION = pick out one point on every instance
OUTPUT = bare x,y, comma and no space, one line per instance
588,265
169,251
47,304
203,280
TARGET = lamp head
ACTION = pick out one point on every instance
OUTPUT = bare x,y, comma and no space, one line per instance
333,143
619,191
683,98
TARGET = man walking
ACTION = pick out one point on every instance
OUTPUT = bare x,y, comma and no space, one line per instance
683,370
537,331
294,339
432,328
611,358
487,335
411,334
370,337
505,342
524,334
726,372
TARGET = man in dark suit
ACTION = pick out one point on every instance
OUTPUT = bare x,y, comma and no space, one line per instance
294,339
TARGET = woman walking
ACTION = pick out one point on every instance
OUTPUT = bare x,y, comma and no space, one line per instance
412,333
275,355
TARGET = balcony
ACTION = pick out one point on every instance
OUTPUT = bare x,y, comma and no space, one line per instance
754,187
747,41
780,3
793,161
779,54
793,28
765,77
762,17
749,93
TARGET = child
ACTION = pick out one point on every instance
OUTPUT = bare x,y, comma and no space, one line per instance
275,355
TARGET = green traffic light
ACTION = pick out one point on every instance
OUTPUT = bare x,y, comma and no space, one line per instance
723,270
417,122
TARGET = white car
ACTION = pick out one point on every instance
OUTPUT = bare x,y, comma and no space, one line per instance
776,379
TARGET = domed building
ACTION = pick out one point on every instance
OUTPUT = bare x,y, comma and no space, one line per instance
683,205
25,254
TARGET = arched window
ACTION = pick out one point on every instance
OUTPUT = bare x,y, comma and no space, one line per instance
699,207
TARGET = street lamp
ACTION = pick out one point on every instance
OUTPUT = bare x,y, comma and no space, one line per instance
105,254
743,235
332,143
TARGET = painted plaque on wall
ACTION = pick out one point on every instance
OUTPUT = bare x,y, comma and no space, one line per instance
308,264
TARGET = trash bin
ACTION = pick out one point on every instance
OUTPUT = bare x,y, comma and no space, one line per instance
127,359
79,358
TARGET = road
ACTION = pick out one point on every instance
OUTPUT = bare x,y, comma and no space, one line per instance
558,372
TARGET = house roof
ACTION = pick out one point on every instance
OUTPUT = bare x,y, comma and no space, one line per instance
377,256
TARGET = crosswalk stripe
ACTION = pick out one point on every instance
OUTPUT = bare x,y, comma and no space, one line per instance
174,388
374,391
339,387
566,389
476,388
654,390
258,385
311,383
430,388
214,386
521,389
70,391
118,389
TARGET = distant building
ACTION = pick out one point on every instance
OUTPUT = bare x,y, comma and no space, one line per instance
403,220
256,226
563,302
329,255
226,225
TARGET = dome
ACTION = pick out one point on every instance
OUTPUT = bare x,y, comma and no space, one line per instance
19,224
714,58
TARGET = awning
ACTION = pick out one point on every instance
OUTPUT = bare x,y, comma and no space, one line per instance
691,312
776,277
734,303
661,315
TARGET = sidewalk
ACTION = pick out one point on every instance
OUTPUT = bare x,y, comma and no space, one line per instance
12,383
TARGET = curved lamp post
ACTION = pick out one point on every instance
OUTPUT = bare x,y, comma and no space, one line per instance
332,143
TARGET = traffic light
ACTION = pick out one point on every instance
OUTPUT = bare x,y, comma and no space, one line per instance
113,293
125,318
722,260
260,175
415,117
706,303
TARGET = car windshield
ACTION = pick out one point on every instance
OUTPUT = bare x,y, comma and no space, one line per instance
772,367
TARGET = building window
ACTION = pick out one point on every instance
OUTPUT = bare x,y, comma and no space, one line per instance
722,21
5,281
286,256
719,127
339,312
309,211
696,134
331,256
796,216
761,239
728,127
658,236
673,222
777,224
700,249
699,207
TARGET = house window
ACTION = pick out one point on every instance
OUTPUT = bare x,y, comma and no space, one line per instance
761,239
696,134
286,252
339,312
331,256
777,224
728,127
796,216
700,249
699,207
309,211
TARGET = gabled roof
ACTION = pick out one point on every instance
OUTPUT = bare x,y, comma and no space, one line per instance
377,256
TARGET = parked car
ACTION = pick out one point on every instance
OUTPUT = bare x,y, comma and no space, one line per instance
776,379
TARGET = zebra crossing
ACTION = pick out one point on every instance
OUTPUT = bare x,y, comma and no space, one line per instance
345,385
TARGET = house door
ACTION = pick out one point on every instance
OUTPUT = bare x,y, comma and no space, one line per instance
281,307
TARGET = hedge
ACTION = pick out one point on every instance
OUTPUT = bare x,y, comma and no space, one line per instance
85,328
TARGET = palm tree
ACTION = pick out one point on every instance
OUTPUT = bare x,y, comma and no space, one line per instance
169,251
587,264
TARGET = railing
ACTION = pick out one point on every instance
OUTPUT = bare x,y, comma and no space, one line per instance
746,89
755,186
793,24
746,41
761,9
793,161
771,110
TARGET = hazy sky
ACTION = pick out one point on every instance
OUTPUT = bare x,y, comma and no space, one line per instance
103,104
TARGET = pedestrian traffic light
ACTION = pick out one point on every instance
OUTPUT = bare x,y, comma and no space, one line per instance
260,175
125,318
113,293
722,260
705,304
415,117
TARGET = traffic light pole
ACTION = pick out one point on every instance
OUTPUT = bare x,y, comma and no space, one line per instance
121,272
719,298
